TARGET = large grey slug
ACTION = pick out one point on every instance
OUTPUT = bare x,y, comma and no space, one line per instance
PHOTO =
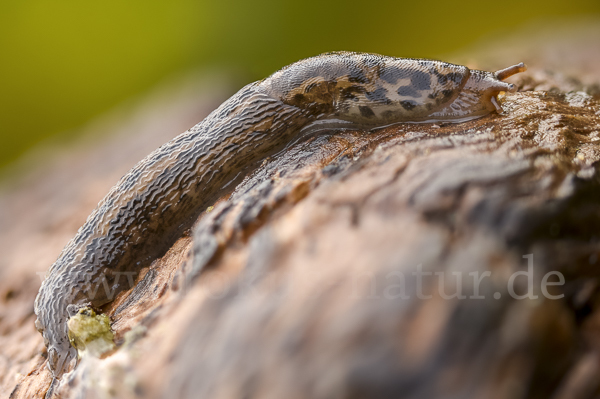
160,198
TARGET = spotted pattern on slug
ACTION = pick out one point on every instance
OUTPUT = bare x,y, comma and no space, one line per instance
367,88
160,198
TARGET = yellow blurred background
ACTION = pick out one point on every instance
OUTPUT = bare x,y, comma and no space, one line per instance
63,63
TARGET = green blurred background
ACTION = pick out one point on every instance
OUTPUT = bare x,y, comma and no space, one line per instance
64,62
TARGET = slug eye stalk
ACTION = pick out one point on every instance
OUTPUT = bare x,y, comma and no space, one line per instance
510,71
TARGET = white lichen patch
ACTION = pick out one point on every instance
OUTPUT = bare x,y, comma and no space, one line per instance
578,98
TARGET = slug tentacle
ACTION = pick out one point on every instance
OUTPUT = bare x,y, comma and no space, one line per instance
160,198
496,105
510,71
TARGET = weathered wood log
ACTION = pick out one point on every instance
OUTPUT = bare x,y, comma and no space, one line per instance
415,261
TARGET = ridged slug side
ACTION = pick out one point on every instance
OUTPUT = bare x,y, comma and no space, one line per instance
156,201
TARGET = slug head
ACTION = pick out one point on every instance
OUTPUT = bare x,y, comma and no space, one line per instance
478,97
487,85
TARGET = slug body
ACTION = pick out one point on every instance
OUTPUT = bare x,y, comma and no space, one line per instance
160,198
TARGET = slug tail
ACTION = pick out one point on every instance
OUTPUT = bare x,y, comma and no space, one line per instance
50,391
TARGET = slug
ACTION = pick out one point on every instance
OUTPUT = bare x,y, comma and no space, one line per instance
159,199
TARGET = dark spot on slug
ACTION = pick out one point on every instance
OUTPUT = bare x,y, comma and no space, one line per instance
447,94
408,105
421,80
408,91
442,79
365,111
350,93
378,96
357,76
455,77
